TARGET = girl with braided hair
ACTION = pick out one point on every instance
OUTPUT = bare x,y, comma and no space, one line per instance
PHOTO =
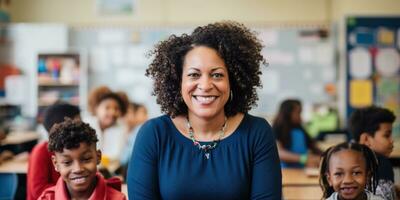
349,171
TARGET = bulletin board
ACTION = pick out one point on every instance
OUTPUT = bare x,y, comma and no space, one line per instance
300,62
373,64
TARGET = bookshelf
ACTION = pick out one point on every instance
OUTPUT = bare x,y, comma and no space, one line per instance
60,77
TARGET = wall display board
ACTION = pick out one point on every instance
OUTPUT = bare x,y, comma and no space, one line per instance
300,62
373,64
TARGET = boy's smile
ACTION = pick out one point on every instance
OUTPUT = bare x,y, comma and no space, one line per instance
78,168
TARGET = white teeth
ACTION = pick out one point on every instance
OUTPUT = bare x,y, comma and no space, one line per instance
205,99
79,180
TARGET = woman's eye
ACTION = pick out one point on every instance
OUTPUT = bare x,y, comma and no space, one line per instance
217,75
193,75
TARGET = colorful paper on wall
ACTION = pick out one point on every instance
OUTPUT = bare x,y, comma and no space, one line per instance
388,62
385,36
362,37
387,90
361,93
360,63
387,86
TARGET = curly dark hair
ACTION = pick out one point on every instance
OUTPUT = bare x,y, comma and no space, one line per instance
69,134
57,112
371,164
237,45
102,93
367,120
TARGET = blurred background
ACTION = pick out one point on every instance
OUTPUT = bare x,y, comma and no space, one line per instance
332,55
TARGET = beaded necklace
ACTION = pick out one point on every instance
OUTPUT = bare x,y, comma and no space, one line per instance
206,148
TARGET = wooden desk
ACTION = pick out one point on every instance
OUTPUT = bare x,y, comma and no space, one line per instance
20,137
298,177
18,164
302,193
297,185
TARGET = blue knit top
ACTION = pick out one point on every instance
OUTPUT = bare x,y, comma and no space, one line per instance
166,165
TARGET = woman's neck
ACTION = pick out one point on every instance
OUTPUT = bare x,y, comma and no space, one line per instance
206,129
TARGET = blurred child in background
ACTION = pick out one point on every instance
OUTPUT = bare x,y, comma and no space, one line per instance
296,148
76,158
134,118
107,107
349,171
372,126
41,173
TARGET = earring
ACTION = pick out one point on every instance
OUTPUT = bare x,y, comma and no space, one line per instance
231,96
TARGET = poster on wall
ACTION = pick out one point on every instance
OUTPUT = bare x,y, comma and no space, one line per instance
115,7
373,64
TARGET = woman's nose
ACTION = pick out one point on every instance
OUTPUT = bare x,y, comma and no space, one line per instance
205,84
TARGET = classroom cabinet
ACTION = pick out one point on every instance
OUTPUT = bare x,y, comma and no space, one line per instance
61,77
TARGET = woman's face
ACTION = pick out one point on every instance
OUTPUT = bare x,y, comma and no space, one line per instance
205,82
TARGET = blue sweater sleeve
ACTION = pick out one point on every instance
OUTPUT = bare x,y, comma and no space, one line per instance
142,175
266,173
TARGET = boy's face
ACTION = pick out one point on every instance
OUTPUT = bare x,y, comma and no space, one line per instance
382,141
78,167
347,174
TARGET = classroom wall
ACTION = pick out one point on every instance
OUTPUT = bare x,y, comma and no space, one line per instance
157,12
176,12
340,9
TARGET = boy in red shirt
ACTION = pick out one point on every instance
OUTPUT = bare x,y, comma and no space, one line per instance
41,174
76,158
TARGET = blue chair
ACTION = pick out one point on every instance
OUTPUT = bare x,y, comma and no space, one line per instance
9,184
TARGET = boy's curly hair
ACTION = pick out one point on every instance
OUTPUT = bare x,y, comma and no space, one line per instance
69,134
367,120
235,44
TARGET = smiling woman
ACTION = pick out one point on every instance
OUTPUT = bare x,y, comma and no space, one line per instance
206,146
